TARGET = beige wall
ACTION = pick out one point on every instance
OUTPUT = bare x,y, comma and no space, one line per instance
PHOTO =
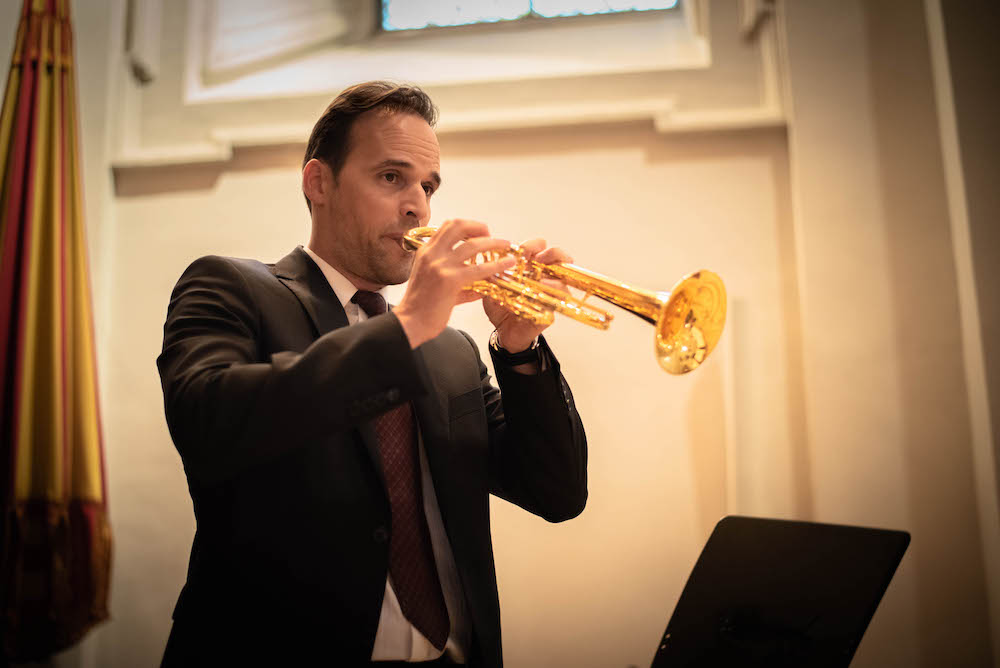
834,396
887,404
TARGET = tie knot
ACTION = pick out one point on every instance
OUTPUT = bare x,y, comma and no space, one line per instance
371,303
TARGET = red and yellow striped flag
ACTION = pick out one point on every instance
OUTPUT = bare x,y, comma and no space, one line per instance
56,554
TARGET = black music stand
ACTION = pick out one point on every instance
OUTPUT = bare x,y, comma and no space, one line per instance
778,593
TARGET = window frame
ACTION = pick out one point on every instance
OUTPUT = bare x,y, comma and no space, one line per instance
529,20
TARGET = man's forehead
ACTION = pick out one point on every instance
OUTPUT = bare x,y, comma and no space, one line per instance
400,136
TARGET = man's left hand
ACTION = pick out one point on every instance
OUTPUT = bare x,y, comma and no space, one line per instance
515,333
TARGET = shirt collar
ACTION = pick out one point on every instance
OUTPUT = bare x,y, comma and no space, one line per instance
341,285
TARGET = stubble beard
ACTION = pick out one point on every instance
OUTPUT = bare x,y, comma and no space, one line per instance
387,270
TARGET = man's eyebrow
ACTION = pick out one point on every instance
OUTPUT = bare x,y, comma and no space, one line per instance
403,164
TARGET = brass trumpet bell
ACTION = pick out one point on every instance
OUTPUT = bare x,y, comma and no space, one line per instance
688,320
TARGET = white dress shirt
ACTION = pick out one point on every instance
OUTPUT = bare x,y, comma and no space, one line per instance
396,638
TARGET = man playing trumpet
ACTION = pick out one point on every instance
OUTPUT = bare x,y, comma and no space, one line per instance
340,455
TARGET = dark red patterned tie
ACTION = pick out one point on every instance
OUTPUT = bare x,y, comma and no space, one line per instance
411,558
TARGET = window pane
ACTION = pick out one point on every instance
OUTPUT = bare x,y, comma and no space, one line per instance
575,7
407,14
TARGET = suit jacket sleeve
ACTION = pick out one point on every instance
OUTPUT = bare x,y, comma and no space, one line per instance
230,407
538,448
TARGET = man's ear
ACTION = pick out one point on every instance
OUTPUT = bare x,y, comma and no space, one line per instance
315,181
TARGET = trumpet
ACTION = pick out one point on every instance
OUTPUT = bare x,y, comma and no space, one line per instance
688,320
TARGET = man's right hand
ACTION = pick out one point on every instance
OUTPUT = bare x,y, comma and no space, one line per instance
440,274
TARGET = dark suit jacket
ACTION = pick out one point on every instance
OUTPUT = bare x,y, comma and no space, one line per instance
270,397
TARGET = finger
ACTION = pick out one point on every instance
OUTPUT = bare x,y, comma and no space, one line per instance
552,255
532,247
466,296
489,302
477,272
458,229
473,247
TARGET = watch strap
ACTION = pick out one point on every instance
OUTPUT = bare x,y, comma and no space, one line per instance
526,356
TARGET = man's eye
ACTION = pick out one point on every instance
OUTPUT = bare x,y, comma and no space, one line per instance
429,190
390,177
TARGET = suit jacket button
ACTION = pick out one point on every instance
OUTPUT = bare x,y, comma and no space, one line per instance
380,535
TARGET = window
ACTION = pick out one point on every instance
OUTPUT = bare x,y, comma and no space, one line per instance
410,15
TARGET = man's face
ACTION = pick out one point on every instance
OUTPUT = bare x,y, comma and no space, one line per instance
383,189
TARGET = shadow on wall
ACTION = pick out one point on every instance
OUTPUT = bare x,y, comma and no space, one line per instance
923,285
161,179
708,445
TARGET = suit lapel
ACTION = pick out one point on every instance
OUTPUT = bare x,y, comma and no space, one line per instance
370,439
431,410
306,281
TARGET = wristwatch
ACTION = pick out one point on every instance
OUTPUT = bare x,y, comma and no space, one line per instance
526,356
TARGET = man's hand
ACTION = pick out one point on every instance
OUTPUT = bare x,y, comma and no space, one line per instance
440,273
515,333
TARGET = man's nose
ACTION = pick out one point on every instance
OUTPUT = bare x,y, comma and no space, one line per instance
415,203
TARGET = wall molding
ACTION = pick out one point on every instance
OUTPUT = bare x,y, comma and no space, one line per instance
225,140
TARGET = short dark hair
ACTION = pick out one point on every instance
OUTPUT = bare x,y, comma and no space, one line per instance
329,138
